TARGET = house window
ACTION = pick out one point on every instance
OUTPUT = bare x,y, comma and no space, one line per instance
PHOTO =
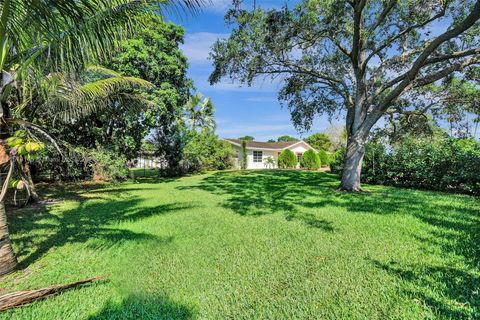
257,156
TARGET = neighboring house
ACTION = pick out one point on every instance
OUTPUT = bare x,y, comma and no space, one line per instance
148,160
258,152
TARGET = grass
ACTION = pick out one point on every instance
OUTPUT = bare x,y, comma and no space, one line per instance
250,245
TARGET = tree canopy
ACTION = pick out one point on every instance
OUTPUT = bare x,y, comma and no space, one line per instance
286,139
247,138
319,141
361,58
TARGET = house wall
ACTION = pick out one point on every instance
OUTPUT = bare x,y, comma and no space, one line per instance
265,155
300,148
250,163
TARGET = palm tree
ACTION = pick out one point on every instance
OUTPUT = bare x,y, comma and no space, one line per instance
61,98
200,113
37,37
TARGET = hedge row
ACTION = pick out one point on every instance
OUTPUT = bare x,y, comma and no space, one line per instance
447,164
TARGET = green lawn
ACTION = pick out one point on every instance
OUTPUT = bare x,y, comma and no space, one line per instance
252,245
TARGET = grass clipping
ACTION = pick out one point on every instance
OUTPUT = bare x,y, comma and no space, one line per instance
19,298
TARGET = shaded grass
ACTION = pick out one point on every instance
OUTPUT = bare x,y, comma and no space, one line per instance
248,245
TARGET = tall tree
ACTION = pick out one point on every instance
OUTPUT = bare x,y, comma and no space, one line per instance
286,139
247,138
200,113
319,141
36,36
353,56
154,55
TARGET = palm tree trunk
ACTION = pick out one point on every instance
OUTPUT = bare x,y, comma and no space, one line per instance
31,185
8,261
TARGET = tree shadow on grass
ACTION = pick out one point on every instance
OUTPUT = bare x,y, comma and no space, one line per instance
452,221
95,218
256,193
144,307
456,298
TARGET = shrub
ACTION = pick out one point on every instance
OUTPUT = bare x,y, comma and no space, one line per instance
337,159
107,166
79,163
204,151
325,158
447,164
287,159
269,162
310,160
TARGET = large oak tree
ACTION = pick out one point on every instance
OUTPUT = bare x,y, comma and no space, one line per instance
361,58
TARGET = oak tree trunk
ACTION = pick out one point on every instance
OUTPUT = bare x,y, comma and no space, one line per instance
353,165
8,261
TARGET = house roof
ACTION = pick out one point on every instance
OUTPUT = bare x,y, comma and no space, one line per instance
267,145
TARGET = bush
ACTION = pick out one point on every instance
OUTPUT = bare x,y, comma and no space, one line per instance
336,160
204,151
325,158
107,166
78,163
447,164
287,159
310,160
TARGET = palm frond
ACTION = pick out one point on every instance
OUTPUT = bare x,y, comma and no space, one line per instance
100,70
72,34
72,101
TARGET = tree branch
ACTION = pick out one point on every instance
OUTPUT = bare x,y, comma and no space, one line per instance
386,10
397,36
410,75
454,55
446,71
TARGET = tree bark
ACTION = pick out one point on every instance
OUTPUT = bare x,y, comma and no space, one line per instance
353,165
31,185
8,261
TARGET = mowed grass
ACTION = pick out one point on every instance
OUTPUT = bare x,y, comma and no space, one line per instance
249,245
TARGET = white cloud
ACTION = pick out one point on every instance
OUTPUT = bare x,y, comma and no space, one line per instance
198,45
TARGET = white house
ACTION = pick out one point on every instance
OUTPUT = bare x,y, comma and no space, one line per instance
258,152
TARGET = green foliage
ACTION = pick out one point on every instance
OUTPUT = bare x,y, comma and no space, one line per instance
22,143
244,155
310,160
287,159
204,151
325,158
200,113
154,55
71,97
121,123
319,141
269,162
448,164
247,138
147,146
337,160
286,139
106,165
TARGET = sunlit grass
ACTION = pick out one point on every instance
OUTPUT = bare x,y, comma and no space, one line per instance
250,245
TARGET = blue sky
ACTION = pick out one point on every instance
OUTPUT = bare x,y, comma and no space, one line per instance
240,110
